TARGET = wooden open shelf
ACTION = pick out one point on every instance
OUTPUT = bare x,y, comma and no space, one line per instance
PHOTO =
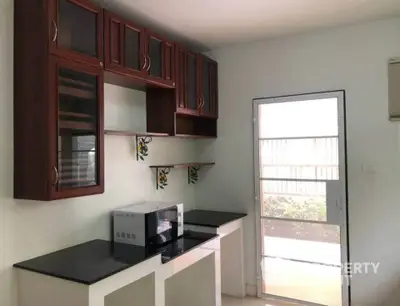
144,134
76,115
75,180
76,125
193,136
183,165
75,92
131,133
76,82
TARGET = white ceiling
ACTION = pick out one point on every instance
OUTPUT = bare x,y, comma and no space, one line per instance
213,23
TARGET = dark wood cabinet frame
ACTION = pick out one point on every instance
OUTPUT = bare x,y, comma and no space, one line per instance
181,59
118,65
140,78
36,58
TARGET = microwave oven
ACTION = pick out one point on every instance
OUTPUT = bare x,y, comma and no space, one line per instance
148,224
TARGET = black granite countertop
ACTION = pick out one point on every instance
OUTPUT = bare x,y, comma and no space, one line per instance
189,241
210,218
95,260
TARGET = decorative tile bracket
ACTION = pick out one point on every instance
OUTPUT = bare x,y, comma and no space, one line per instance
162,172
193,174
141,146
162,177
142,140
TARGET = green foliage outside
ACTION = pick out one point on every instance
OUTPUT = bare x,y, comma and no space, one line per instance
311,208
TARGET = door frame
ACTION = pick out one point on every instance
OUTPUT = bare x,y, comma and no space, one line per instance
344,235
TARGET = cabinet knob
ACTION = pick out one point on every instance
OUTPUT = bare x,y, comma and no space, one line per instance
101,64
173,83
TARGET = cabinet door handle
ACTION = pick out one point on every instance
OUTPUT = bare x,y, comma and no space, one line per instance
145,62
148,67
203,102
199,105
55,31
56,175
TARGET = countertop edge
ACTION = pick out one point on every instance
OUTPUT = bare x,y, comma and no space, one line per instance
213,225
80,281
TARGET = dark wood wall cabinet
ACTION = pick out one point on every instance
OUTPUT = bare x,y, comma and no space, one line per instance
137,53
64,51
197,81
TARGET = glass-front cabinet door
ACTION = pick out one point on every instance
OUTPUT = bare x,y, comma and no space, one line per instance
76,30
155,56
134,57
124,46
180,77
160,57
78,158
209,93
192,82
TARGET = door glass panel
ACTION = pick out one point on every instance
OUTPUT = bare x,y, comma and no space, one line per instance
132,48
302,261
191,81
155,53
77,28
169,62
77,129
299,118
315,158
294,200
206,87
181,78
115,42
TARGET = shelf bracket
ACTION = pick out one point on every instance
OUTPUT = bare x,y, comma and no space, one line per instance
193,174
162,177
141,146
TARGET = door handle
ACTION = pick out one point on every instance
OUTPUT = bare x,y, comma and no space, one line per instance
56,175
148,67
339,203
55,31
145,62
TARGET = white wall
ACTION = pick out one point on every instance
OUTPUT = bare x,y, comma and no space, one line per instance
28,228
352,58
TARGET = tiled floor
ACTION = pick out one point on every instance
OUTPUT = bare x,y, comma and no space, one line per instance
312,282
303,281
230,301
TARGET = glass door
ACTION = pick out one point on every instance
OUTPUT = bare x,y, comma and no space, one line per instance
76,30
300,191
79,144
